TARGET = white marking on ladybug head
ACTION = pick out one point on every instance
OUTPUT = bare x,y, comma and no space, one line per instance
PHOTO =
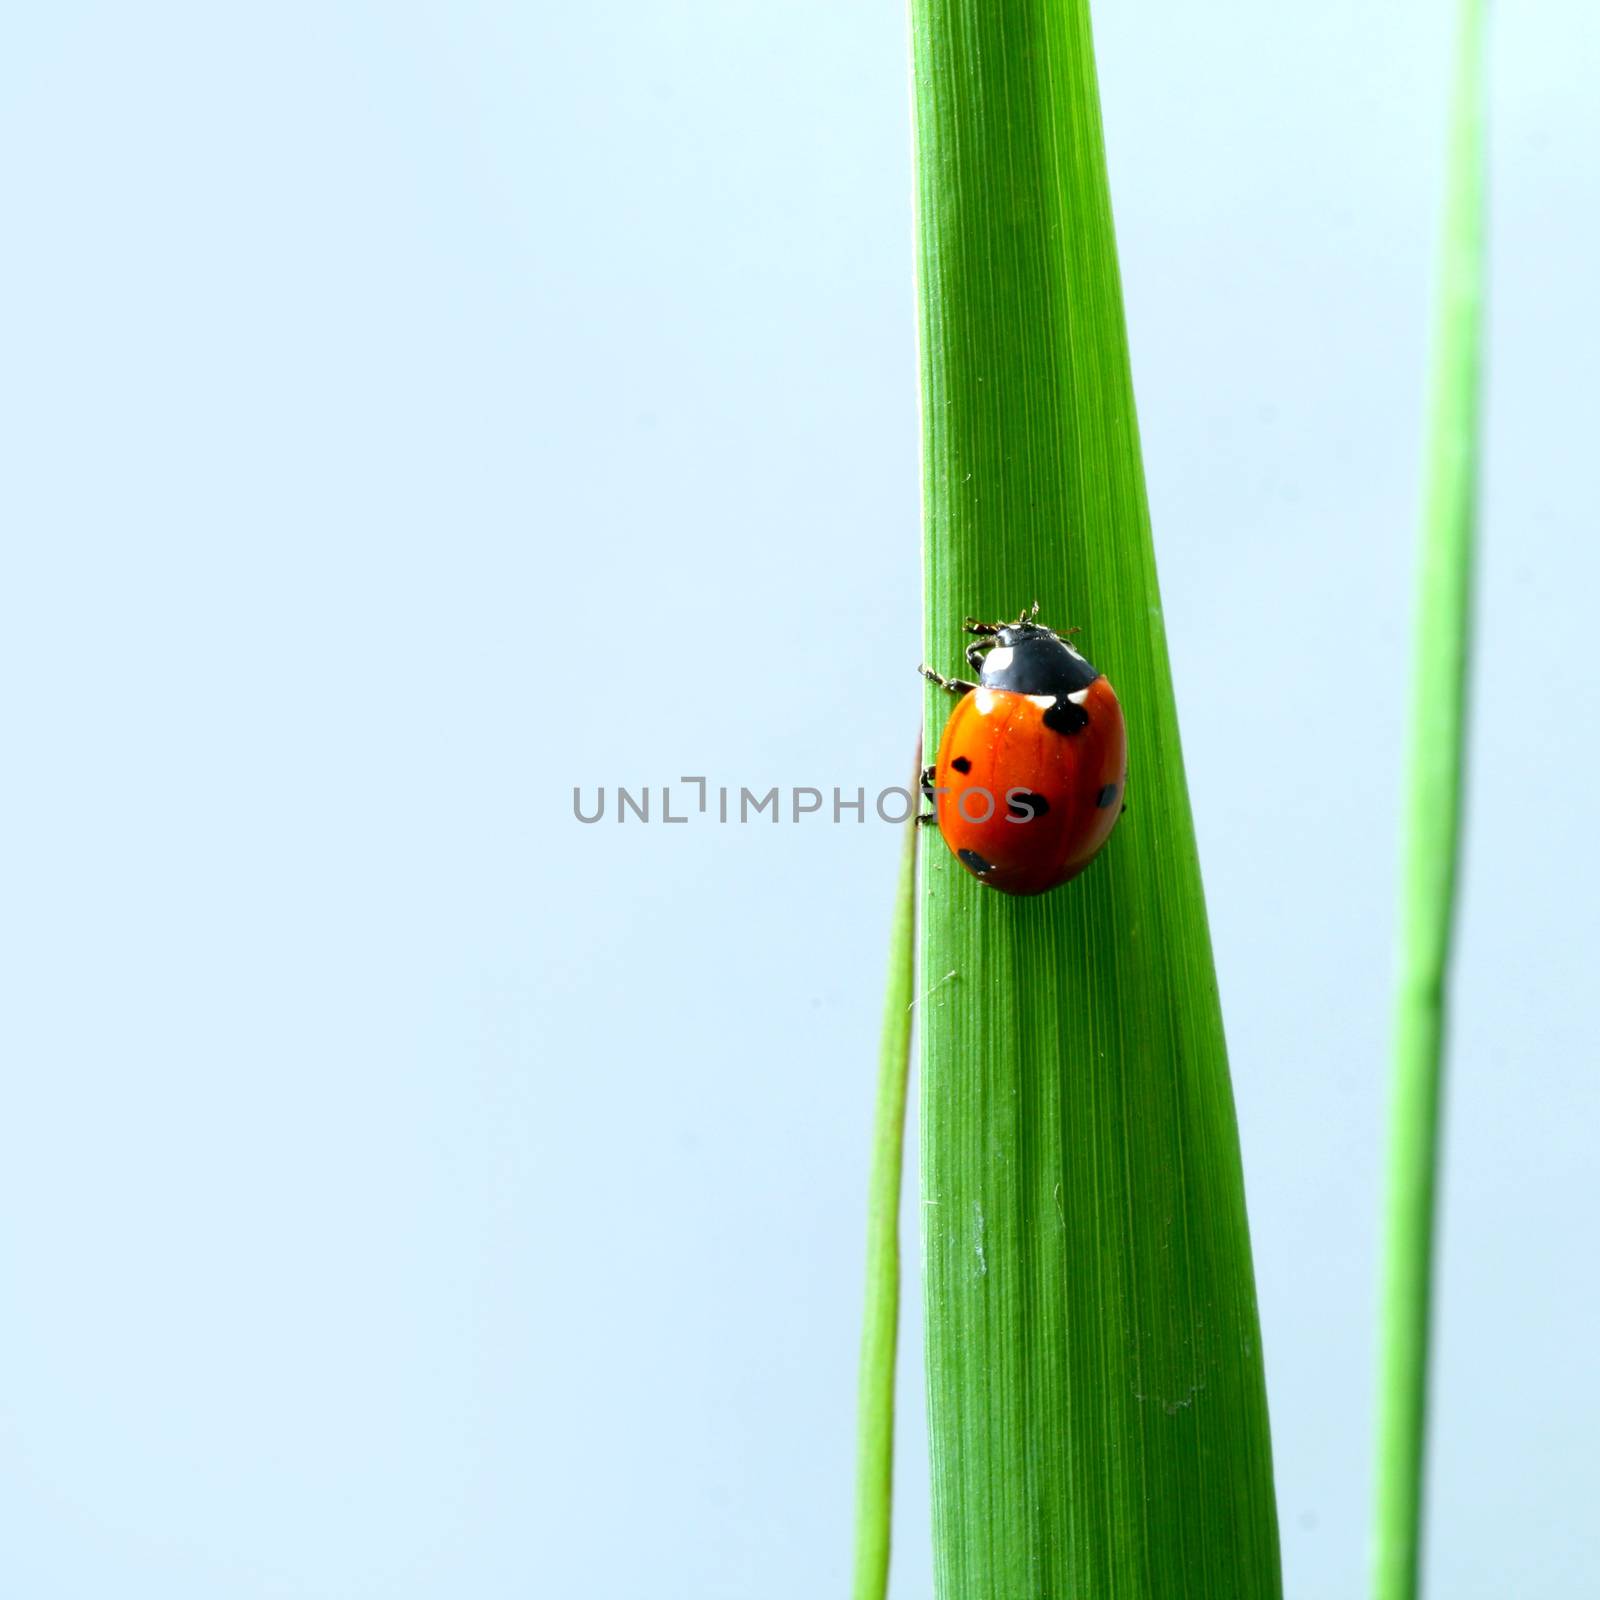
998,659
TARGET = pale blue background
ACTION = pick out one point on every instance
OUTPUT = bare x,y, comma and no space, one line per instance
408,412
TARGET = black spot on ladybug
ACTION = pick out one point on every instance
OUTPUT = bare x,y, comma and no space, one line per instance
1027,805
961,764
972,859
1065,717
1106,796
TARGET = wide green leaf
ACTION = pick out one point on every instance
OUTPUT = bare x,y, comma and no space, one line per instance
1096,1391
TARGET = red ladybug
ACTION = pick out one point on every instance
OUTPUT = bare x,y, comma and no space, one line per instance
1031,768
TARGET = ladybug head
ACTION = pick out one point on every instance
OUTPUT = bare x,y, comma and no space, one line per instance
1029,658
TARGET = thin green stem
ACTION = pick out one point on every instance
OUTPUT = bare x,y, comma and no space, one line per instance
1432,844
881,1317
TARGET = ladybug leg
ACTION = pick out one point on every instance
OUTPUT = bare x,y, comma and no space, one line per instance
985,642
926,817
970,625
954,685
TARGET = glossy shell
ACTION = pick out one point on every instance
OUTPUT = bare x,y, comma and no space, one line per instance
1027,789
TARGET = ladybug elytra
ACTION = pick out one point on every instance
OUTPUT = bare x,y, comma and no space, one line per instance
1033,761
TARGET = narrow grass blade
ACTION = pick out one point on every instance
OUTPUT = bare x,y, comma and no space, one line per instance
1433,822
1097,1405
881,1318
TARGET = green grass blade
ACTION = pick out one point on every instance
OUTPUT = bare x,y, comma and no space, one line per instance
1097,1405
881,1318
1433,820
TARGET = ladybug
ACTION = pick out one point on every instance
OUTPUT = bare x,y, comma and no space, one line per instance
1032,764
